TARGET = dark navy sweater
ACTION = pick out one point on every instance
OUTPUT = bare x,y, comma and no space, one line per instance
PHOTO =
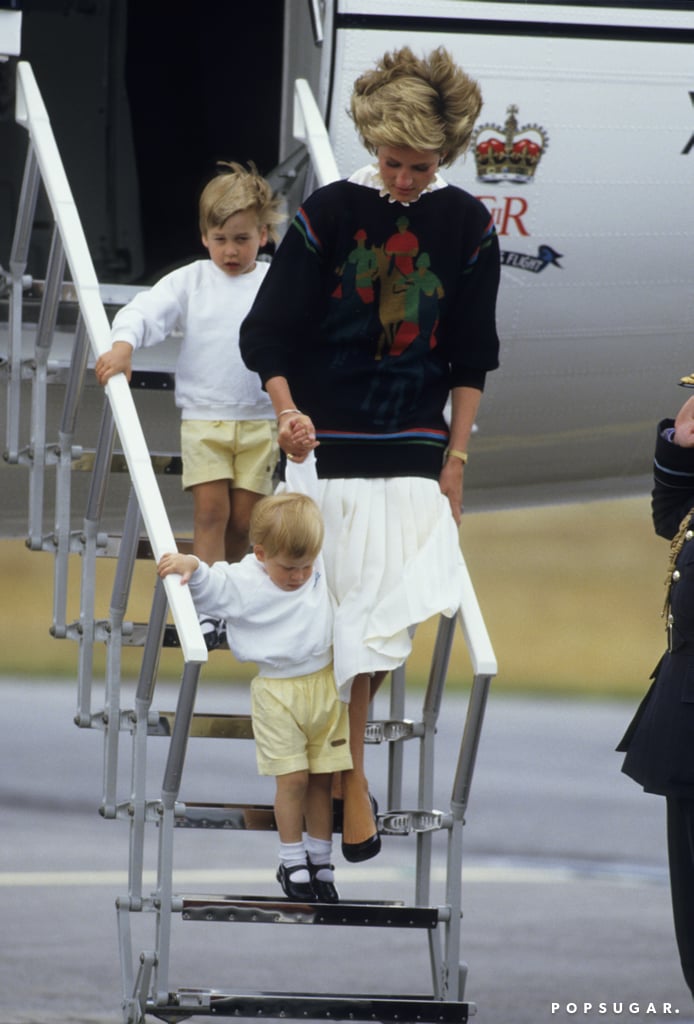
373,311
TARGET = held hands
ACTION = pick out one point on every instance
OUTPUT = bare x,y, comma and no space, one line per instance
684,425
296,434
174,563
118,360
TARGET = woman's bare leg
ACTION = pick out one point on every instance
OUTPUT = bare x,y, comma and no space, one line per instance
358,824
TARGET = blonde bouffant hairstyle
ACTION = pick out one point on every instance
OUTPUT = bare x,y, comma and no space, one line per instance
287,524
234,190
422,103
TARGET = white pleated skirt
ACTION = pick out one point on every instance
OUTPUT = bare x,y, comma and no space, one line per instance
392,559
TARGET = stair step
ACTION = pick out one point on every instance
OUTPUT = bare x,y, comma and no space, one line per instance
261,817
246,817
238,726
224,727
171,639
109,545
296,1006
165,463
184,546
268,910
134,634
152,380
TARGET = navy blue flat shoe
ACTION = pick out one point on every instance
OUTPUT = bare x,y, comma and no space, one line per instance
357,852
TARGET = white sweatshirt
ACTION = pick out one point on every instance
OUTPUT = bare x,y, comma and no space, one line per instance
208,306
287,633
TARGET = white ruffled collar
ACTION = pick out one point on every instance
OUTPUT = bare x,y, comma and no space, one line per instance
370,176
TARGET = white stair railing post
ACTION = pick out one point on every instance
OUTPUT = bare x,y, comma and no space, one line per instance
90,542
38,453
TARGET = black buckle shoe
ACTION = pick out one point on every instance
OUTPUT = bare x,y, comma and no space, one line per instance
302,892
325,891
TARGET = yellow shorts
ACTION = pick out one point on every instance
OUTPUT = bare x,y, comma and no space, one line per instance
300,724
242,451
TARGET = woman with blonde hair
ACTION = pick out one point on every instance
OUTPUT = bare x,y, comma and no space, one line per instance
380,306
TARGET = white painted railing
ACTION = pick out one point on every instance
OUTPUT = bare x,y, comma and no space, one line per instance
31,114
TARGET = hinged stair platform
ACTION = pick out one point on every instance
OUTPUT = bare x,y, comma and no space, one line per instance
266,910
390,1009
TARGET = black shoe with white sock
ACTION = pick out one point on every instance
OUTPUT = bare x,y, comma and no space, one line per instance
303,892
324,888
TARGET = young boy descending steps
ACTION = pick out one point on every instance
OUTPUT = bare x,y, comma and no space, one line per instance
279,613
228,429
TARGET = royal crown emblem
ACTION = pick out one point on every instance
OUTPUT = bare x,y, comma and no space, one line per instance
508,153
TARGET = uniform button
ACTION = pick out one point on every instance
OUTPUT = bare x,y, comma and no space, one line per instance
675,576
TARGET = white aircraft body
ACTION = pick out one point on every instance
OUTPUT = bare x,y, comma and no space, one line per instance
584,153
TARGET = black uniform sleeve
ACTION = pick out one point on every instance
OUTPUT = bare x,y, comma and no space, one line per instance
673,483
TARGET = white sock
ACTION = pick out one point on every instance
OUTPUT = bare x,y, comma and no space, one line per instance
293,855
319,852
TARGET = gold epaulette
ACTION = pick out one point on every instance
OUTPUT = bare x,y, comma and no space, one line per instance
683,534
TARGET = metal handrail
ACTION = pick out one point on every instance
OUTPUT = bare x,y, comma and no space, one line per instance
32,115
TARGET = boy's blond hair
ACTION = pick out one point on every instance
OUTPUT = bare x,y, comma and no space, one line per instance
234,190
287,524
425,104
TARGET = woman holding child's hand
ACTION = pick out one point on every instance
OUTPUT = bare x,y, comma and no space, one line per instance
296,434
378,307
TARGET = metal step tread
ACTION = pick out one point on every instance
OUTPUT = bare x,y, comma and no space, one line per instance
171,638
328,1006
216,726
152,380
271,910
166,463
261,817
224,726
132,634
109,546
247,817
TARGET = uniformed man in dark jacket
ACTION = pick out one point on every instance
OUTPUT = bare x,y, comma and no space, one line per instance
659,742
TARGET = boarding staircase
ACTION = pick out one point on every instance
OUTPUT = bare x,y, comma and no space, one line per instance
49,356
